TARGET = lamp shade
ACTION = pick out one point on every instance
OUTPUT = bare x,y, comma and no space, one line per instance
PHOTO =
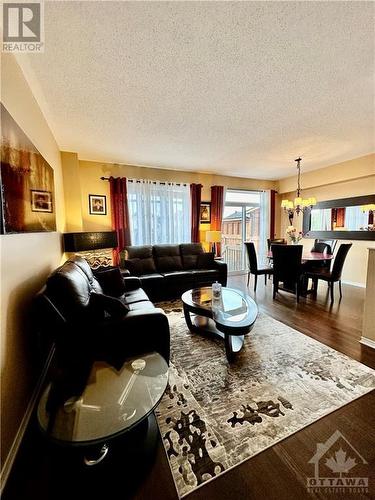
79,242
213,236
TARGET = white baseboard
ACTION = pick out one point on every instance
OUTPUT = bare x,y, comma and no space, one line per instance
367,342
9,461
353,283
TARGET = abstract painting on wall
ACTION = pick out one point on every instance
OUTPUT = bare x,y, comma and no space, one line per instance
27,184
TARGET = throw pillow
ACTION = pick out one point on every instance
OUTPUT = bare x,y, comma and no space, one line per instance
206,260
111,281
112,305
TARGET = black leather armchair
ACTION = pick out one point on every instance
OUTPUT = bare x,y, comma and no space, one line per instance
96,318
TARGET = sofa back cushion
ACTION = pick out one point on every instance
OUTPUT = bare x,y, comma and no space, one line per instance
139,260
167,258
206,260
190,253
70,287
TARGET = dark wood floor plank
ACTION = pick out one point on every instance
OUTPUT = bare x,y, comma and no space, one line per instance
279,472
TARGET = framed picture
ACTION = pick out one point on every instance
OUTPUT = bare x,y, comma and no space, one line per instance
205,215
27,192
41,201
97,204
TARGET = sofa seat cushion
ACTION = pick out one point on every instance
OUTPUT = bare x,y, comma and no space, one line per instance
145,304
178,275
152,282
177,279
151,277
113,306
190,253
203,274
134,296
167,258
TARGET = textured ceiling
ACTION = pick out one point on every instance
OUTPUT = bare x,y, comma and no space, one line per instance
235,88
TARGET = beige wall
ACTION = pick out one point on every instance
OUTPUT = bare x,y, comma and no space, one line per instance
361,167
90,183
362,182
26,260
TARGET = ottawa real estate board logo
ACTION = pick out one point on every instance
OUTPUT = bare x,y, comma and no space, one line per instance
23,27
338,468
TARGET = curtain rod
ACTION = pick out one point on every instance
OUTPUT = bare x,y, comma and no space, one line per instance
154,182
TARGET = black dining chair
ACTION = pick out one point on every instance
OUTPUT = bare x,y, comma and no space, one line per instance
331,245
331,276
287,268
270,242
321,247
253,265
278,241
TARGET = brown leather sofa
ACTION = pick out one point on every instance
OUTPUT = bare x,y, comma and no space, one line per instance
96,318
166,271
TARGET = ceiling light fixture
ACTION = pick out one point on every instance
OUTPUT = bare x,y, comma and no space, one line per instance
299,204
368,208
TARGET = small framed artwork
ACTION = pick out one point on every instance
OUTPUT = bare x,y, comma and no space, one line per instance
41,201
205,215
97,204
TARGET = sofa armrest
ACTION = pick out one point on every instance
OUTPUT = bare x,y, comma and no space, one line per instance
147,330
223,270
125,272
132,283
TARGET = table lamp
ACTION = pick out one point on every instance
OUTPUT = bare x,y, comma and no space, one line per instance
213,237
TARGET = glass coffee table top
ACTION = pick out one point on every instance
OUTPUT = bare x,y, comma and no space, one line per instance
234,308
230,316
112,402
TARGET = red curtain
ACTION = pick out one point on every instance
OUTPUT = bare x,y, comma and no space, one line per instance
120,215
195,198
217,209
272,213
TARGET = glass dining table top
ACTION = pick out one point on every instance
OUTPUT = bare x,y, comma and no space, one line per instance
112,402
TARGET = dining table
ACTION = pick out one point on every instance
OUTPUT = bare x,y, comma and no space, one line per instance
307,259
310,256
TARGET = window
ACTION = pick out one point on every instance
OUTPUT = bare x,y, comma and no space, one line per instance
159,212
246,218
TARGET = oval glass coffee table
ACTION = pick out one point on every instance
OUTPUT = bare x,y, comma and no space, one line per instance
229,318
113,403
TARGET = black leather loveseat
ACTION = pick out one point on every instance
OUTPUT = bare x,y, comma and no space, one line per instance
166,271
96,318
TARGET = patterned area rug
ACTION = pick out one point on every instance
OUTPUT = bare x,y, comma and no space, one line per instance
215,415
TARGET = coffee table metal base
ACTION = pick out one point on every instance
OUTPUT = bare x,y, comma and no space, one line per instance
206,326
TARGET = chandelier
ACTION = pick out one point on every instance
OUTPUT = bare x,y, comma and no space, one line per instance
299,204
368,208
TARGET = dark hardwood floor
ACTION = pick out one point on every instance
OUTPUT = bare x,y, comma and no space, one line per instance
277,473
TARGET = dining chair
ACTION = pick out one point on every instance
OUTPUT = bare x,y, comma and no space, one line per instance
270,242
278,241
331,244
331,276
287,268
321,247
253,265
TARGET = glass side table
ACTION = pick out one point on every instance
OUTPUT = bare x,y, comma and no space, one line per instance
113,403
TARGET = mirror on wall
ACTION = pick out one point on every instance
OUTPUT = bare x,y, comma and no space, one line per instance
348,218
